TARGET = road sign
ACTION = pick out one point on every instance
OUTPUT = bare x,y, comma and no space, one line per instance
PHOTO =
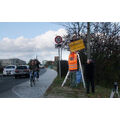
76,45
57,45
58,39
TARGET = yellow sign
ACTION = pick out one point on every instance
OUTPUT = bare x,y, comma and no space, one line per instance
76,45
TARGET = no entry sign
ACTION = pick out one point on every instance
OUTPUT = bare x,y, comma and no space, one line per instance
58,39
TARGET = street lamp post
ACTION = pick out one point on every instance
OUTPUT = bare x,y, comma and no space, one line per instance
88,40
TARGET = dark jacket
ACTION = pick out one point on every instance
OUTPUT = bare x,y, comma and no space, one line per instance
89,70
32,67
37,67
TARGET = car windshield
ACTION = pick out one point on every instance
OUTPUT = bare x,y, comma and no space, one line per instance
22,67
10,67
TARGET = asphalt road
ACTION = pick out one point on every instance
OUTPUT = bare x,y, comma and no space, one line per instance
7,83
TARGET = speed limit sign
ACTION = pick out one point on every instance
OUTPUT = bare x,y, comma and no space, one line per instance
58,39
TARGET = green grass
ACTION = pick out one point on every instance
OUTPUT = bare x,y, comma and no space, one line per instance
56,91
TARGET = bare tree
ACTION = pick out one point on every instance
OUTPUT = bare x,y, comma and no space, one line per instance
77,28
105,47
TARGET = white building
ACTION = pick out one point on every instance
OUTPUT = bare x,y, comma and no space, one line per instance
44,62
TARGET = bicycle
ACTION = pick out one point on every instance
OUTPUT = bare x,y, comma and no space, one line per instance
37,75
32,78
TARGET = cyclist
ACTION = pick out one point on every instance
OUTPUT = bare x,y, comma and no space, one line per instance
37,68
32,68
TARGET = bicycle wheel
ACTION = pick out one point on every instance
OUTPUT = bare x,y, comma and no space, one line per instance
34,82
31,83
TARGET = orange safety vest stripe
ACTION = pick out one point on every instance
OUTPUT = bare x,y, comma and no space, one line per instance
73,65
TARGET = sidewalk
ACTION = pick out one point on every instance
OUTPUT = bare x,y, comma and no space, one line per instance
25,91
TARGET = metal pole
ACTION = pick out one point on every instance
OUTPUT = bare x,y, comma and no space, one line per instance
88,40
61,52
81,71
65,79
59,62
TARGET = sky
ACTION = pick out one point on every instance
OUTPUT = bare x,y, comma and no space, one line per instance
25,40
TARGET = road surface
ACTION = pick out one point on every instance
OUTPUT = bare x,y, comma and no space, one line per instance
25,91
7,84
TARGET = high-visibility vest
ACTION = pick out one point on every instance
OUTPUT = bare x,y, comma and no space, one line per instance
72,62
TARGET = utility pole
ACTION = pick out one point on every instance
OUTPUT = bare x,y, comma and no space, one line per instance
88,40
35,53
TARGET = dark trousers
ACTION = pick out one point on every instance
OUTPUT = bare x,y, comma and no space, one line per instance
73,78
90,82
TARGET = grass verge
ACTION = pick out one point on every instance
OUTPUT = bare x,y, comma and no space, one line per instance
56,91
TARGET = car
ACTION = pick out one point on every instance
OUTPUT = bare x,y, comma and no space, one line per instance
22,71
9,70
41,66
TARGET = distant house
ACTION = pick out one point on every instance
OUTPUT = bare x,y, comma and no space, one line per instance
44,62
14,61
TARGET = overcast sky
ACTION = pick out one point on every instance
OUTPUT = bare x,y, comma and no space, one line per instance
25,40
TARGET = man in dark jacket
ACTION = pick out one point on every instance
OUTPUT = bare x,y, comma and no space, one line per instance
89,75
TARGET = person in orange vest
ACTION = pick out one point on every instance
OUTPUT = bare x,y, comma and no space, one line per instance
73,67
72,61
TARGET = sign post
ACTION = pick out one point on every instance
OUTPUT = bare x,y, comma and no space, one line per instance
58,40
81,71
59,62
